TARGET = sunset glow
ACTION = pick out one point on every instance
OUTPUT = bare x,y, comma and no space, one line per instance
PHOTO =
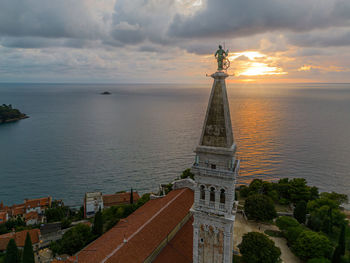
253,63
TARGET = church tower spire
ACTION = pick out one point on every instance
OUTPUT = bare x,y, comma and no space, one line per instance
215,170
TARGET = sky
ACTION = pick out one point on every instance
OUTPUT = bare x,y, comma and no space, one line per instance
173,41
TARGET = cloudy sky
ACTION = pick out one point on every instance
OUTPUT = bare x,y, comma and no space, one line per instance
138,41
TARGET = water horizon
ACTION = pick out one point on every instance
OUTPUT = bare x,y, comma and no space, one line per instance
77,140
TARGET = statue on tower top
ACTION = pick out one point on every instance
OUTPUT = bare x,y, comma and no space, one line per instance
221,56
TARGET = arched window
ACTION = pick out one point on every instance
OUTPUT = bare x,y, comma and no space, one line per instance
202,195
222,196
212,194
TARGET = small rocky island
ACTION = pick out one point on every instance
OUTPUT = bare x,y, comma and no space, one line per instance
105,93
9,114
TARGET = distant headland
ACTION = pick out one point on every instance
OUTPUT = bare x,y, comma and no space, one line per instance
9,114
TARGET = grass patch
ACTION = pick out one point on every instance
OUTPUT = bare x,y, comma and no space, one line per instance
282,208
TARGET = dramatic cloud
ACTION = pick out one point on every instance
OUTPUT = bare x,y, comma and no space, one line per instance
52,19
113,40
322,38
221,18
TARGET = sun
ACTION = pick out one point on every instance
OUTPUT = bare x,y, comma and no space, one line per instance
254,63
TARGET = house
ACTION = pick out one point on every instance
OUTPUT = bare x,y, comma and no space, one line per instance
20,238
31,218
3,217
32,210
119,199
17,211
38,205
143,236
93,202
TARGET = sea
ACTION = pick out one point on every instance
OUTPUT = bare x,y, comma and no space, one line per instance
77,140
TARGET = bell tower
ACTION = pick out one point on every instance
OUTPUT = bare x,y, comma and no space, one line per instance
215,170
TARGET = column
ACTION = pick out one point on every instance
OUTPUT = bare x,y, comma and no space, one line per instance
195,240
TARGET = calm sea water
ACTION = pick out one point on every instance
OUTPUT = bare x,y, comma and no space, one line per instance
77,140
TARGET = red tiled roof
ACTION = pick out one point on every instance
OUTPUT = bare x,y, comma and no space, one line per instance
68,260
3,217
143,230
31,215
19,237
180,248
39,202
17,210
119,199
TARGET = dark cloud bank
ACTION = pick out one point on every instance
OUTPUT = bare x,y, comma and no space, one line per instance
73,23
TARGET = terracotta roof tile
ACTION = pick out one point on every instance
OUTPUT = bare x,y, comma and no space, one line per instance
3,216
18,210
143,230
39,202
31,215
119,199
180,248
19,237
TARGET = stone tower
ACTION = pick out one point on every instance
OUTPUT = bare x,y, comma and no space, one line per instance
215,170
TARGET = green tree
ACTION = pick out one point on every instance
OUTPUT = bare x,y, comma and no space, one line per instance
256,187
28,253
131,196
292,234
57,213
300,212
65,223
325,218
257,247
336,255
259,207
244,191
319,260
98,224
338,198
12,255
341,242
284,222
283,189
312,245
187,173
7,112
299,190
75,239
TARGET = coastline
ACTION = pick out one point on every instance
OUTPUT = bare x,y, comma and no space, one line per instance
15,119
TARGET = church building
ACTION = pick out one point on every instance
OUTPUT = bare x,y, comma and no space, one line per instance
193,222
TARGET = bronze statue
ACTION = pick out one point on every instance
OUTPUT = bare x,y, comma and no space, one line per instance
221,55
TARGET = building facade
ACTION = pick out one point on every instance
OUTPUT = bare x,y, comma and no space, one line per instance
93,202
215,170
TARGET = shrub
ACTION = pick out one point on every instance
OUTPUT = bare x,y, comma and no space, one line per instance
243,191
310,245
65,223
257,247
75,239
187,173
300,212
318,260
284,222
292,234
259,207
